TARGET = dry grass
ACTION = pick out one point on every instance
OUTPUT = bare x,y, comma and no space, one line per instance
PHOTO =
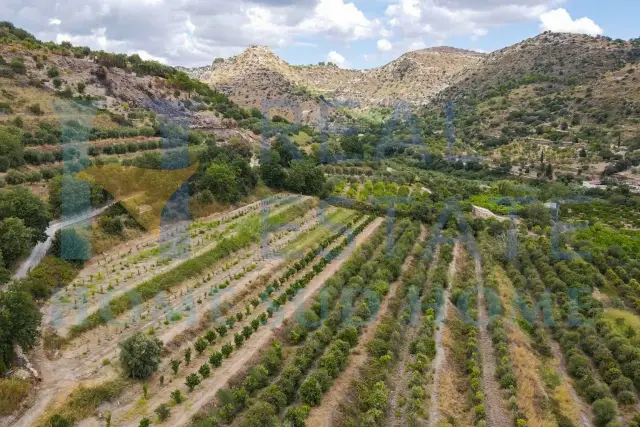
12,393
530,394
453,399
565,403
83,401
506,290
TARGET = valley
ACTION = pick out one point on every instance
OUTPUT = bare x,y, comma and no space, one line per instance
450,239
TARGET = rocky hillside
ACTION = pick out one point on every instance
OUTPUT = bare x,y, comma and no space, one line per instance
259,78
559,80
574,96
36,81
415,77
559,59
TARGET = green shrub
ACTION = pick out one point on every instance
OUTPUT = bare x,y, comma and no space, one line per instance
35,109
58,420
604,411
163,412
311,392
261,414
17,65
192,381
140,355
5,108
627,397
296,416
200,346
205,371
176,396
216,359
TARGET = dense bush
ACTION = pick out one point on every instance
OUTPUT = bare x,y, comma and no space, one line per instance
140,355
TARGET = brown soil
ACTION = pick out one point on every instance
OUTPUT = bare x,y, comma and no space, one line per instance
495,405
206,392
81,360
452,400
322,415
434,407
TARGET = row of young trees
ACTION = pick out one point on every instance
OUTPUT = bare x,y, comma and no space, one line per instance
380,348
570,314
369,393
271,399
257,375
248,233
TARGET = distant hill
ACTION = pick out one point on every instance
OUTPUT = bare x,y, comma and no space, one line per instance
257,77
572,95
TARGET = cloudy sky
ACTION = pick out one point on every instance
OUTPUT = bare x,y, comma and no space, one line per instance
352,33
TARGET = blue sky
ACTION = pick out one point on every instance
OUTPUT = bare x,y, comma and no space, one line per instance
616,18
352,33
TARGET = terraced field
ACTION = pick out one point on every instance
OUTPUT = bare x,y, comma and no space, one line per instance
289,311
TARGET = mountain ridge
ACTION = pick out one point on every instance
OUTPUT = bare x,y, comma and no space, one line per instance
259,78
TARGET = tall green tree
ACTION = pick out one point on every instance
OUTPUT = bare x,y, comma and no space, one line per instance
305,177
272,172
19,323
20,202
221,180
69,195
15,239
11,145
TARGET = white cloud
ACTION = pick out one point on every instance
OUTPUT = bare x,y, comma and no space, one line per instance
192,32
473,18
384,45
385,33
97,40
336,58
338,17
146,56
559,20
190,27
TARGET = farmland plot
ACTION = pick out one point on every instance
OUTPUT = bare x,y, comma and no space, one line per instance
88,356
239,293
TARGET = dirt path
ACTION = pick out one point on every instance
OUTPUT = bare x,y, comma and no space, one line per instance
206,392
243,292
496,409
434,407
114,332
121,264
397,381
322,415
82,361
586,415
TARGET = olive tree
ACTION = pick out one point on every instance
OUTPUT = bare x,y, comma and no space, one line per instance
140,355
